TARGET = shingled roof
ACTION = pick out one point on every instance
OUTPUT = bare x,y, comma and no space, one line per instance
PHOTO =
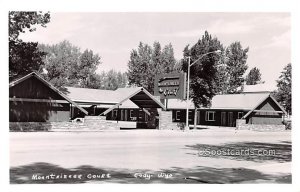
245,101
92,95
122,97
179,104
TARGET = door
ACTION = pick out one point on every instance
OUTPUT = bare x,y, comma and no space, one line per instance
223,118
141,120
125,115
230,119
122,115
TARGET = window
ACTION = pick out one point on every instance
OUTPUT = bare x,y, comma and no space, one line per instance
115,114
210,116
146,117
230,119
240,115
122,115
223,118
177,115
190,115
131,113
141,114
125,115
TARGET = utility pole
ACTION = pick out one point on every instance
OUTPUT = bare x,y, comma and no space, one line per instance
188,85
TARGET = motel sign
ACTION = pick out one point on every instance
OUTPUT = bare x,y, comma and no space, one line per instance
170,86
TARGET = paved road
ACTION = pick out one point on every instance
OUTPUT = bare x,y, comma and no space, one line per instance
147,151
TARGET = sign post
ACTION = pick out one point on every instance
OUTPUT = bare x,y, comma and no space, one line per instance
187,98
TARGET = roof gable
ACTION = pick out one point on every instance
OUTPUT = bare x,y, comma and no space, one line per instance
47,84
33,88
107,98
139,96
268,104
261,104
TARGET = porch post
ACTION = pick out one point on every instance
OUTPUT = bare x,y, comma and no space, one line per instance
195,118
118,115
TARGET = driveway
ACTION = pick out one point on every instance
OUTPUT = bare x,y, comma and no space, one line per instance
149,156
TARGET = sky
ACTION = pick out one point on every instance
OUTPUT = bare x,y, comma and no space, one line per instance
114,35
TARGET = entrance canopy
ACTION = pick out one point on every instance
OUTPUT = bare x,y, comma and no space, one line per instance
139,96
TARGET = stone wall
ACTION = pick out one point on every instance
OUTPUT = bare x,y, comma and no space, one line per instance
29,126
100,123
90,123
166,123
241,125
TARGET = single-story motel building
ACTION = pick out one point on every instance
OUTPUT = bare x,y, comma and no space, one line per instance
35,104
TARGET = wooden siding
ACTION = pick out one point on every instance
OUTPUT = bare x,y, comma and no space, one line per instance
201,117
269,115
268,104
94,111
116,114
226,118
265,117
21,109
34,89
181,115
269,120
76,113
38,112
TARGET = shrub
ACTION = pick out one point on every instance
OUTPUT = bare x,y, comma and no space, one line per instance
181,125
288,124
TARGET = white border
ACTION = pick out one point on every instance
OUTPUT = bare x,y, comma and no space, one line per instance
142,6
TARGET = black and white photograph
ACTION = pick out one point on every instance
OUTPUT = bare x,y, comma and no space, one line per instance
149,97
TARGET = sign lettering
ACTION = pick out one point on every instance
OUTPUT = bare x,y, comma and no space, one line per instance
170,85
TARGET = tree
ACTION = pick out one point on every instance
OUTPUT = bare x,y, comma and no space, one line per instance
254,77
154,66
168,59
19,21
138,66
230,75
111,80
61,64
87,67
146,62
24,57
102,81
284,91
204,73
95,81
66,65
122,79
222,79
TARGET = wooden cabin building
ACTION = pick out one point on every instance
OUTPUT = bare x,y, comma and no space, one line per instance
32,99
255,108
